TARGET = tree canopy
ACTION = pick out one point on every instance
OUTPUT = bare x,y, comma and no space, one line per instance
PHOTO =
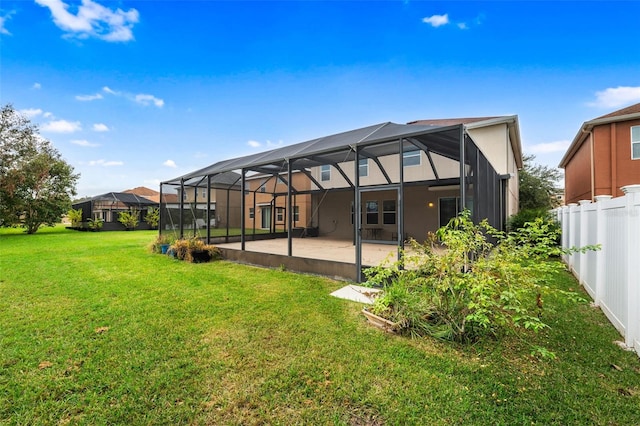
36,184
538,185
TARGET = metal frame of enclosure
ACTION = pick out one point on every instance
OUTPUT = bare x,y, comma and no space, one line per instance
481,189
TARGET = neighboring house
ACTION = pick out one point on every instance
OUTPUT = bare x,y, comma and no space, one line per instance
266,202
108,206
604,156
145,192
221,206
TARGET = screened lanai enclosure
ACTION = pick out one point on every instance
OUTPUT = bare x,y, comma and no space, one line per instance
108,207
375,186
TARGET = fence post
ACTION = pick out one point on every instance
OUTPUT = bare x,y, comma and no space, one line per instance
573,212
582,272
632,328
601,235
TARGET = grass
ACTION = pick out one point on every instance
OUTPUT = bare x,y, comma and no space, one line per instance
94,329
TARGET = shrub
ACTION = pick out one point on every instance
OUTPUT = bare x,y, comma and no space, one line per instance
152,217
75,217
460,286
159,241
194,250
95,224
129,218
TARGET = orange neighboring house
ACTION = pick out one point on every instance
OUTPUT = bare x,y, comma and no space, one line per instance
604,156
266,202
145,192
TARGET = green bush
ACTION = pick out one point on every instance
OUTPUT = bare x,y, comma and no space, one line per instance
75,217
460,286
95,224
152,217
129,219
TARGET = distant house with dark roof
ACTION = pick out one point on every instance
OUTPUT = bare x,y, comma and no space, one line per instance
108,207
604,156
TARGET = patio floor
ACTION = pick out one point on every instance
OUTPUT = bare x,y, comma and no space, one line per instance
320,248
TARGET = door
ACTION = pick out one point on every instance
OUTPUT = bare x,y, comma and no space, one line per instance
266,218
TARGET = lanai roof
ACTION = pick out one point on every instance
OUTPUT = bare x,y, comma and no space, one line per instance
443,140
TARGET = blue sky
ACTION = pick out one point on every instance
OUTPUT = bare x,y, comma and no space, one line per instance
136,92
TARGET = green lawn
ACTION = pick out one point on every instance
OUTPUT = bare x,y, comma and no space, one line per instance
94,329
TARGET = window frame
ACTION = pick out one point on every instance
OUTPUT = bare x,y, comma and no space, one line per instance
635,142
252,213
363,163
325,172
370,213
389,213
410,155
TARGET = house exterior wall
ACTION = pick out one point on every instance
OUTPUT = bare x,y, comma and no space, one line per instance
445,167
578,175
265,200
613,165
421,212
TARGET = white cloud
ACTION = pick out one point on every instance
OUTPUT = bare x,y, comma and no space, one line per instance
31,112
93,20
99,127
62,126
47,115
254,144
463,26
437,20
109,91
83,142
105,163
616,96
170,163
88,97
141,98
549,147
3,22
36,86
144,99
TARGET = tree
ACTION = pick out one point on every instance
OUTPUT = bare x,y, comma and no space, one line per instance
538,185
36,184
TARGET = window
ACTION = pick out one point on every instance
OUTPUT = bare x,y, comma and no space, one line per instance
325,172
281,180
389,212
372,212
263,186
411,158
252,212
448,209
184,195
363,167
296,213
204,193
635,143
279,214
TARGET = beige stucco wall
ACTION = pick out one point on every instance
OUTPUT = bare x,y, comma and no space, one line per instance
445,167
421,212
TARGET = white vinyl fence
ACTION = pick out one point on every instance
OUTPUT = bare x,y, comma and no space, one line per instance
611,275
